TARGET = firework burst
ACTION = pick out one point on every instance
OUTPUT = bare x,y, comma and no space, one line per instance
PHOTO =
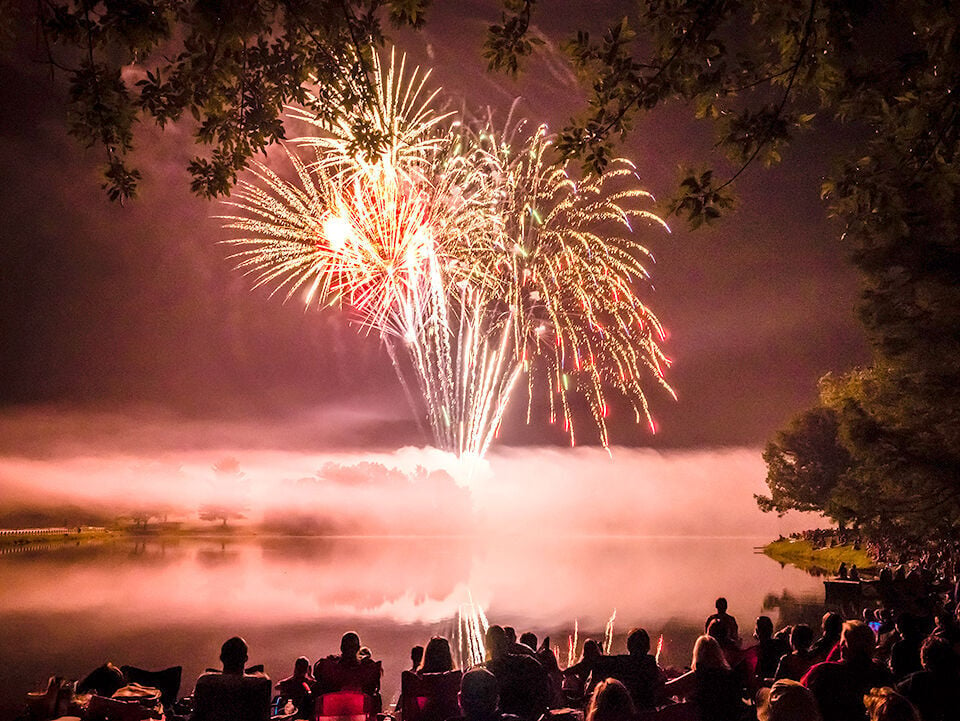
475,259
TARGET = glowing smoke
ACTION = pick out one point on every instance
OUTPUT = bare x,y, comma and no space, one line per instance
535,491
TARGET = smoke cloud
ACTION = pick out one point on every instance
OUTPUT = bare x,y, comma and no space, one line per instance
292,477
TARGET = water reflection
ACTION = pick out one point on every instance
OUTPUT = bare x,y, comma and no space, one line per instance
154,603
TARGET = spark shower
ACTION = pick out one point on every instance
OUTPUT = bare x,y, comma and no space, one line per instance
481,265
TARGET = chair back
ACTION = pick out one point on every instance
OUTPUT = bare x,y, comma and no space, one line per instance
167,680
429,696
345,706
101,708
334,676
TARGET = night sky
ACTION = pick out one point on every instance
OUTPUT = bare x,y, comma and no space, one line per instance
137,310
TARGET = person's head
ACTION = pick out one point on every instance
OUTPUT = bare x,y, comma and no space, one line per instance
301,666
708,654
610,702
496,641
831,624
801,636
638,642
904,624
529,640
437,657
233,655
885,704
786,700
721,604
511,634
350,645
936,655
856,641
416,656
764,629
479,693
943,618
591,650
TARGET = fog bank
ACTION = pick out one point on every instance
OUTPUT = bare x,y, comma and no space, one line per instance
168,468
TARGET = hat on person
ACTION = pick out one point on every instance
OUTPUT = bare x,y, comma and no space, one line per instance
786,700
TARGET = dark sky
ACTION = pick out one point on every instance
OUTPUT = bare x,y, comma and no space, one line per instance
119,308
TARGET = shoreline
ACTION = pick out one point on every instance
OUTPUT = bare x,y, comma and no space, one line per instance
799,553
802,554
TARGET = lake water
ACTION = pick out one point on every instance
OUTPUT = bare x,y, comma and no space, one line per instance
153,603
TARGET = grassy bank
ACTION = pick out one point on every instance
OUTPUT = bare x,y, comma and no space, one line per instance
803,554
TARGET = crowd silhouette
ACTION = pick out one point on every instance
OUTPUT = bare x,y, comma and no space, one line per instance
889,663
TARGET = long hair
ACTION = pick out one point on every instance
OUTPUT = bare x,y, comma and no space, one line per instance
610,702
708,654
436,656
885,704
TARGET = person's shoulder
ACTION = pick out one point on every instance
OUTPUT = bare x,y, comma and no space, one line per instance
526,662
325,662
210,678
648,660
912,680
815,671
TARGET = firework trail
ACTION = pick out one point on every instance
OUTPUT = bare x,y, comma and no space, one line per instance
475,259
608,633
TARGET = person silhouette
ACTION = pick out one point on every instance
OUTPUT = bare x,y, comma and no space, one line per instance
479,697
232,694
352,670
725,627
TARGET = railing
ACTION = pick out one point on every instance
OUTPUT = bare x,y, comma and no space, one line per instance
32,531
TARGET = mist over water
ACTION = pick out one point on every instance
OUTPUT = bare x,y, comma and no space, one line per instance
284,473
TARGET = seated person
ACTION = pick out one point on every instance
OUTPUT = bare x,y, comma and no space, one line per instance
795,664
830,625
839,686
637,670
232,694
725,626
480,698
523,684
430,693
710,684
935,690
770,649
350,671
575,677
298,687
